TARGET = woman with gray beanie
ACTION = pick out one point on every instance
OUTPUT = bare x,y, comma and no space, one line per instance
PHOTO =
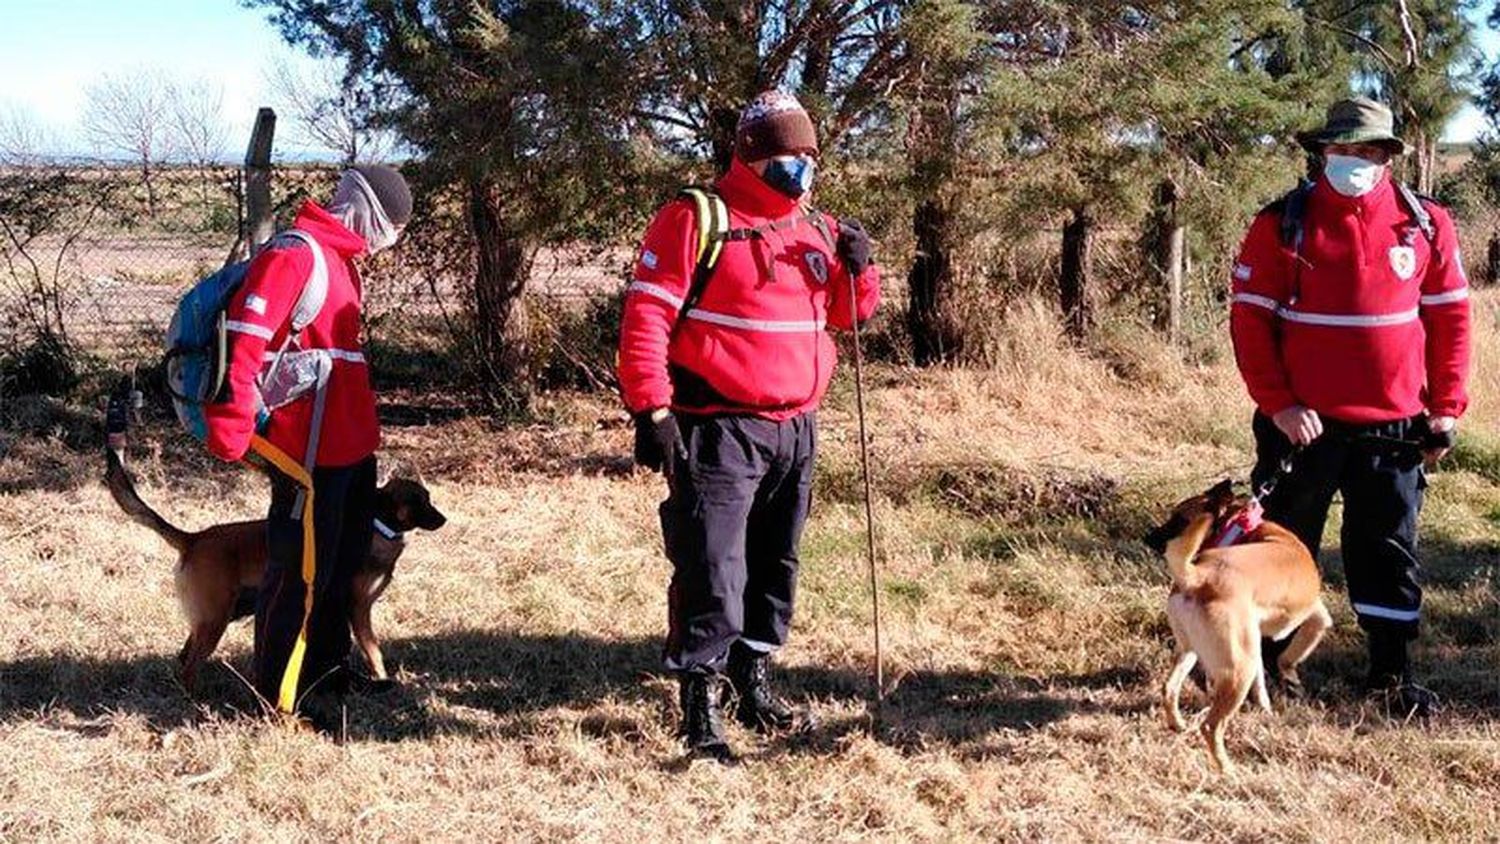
321,445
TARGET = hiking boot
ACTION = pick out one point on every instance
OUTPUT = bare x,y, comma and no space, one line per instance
1390,683
325,714
702,724
759,708
1404,700
1388,659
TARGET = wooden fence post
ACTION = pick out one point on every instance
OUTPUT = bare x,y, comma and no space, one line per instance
260,222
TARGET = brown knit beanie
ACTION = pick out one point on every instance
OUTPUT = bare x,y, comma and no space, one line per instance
774,123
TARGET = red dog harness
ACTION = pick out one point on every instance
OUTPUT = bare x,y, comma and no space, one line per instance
1240,525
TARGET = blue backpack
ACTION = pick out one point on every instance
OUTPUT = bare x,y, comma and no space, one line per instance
197,358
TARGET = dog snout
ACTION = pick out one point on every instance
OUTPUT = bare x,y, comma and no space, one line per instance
431,519
1156,540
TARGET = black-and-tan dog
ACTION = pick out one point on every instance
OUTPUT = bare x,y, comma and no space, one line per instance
219,569
1226,599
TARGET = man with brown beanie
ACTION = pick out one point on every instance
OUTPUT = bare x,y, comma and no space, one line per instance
320,444
724,358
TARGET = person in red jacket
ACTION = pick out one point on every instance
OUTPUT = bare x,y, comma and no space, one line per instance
724,388
321,449
1350,320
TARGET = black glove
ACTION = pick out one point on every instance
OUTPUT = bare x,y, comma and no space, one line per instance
853,246
656,442
1438,440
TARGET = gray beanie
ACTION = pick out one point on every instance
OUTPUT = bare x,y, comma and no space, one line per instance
390,190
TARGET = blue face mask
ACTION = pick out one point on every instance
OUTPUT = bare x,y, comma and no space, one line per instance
792,176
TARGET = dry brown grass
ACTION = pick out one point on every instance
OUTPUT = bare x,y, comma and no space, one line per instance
1024,641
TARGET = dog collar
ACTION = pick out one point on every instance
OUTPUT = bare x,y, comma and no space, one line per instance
385,530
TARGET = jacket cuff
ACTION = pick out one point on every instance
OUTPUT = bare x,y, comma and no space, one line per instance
229,446
1272,405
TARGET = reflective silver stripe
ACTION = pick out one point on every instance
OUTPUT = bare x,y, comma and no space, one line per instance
249,328
772,326
655,290
1260,301
1447,298
1387,612
1350,320
336,354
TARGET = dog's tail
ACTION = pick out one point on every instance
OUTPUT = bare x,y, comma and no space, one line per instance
118,481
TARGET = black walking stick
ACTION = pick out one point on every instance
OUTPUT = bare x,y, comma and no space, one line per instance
864,464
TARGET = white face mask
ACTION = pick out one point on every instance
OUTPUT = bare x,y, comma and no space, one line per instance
1351,175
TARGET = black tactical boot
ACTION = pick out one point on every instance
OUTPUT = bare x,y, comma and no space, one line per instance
1390,681
702,725
759,708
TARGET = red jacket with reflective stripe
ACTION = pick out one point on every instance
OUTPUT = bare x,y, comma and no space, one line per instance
259,315
756,342
1373,327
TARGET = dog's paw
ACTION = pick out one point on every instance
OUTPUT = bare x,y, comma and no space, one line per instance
1291,687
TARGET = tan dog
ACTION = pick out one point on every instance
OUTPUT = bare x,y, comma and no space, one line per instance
1224,600
219,569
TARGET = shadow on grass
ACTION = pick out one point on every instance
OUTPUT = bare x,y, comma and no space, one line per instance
507,685
44,443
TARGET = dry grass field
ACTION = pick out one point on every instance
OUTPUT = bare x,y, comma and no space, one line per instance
1025,637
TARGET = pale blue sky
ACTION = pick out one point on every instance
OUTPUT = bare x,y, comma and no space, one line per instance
50,50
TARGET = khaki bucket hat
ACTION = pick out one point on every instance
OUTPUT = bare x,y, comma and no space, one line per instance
1359,120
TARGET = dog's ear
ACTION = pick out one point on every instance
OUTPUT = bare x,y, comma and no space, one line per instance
1223,491
388,469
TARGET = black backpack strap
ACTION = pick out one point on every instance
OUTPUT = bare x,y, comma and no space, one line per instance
1293,207
1419,213
820,223
811,216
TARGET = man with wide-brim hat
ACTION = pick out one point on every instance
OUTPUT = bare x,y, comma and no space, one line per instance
1350,320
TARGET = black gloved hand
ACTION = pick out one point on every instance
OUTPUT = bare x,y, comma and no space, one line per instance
658,441
1438,440
853,246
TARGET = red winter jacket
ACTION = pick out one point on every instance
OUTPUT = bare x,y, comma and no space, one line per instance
756,342
1374,327
259,316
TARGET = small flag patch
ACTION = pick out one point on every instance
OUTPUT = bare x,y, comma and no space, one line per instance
1242,272
256,304
648,259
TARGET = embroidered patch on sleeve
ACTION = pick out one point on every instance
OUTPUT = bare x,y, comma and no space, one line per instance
1242,272
256,303
648,259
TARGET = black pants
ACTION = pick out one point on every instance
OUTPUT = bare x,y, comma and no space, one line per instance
1382,483
343,522
731,527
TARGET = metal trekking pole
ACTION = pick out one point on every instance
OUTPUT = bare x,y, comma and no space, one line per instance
864,463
